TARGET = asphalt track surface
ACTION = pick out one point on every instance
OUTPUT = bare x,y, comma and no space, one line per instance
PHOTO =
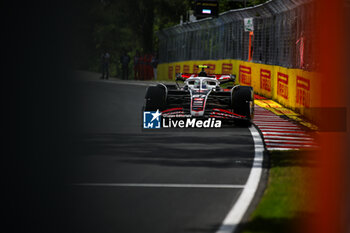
127,179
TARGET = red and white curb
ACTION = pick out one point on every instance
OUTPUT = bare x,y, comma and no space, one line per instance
282,134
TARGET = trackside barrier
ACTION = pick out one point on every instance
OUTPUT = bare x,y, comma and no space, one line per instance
294,88
284,35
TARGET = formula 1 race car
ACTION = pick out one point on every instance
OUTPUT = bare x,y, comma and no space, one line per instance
203,96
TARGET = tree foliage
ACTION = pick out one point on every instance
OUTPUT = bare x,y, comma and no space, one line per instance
226,5
118,25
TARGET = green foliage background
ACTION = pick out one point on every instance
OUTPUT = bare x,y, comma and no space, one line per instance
117,25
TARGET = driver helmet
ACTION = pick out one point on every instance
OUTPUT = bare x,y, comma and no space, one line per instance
202,74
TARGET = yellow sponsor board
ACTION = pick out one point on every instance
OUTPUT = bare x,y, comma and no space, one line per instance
293,88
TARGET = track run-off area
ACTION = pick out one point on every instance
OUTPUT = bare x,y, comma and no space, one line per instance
283,133
125,179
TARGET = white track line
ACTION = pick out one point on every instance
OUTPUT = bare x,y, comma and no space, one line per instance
279,127
284,134
263,123
147,185
288,141
271,145
292,138
282,130
237,212
284,149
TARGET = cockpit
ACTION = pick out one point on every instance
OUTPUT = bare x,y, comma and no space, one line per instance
197,84
201,83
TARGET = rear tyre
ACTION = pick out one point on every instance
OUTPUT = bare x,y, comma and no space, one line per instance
243,104
155,98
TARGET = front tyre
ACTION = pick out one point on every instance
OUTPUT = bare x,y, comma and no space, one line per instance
155,98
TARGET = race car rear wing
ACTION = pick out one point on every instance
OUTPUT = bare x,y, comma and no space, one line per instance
222,78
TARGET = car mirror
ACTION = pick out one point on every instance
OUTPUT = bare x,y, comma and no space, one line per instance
233,77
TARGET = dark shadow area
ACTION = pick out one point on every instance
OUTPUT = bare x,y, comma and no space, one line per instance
293,158
329,119
212,228
271,225
169,150
217,163
276,225
127,209
36,106
266,225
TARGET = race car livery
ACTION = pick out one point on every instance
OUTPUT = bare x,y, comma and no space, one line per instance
203,96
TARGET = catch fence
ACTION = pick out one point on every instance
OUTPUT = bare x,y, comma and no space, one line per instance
283,35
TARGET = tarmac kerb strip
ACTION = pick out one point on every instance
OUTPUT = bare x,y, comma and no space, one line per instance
237,212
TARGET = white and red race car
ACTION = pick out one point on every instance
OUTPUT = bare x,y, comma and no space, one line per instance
202,96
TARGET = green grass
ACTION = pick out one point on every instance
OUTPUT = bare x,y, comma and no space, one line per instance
285,202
